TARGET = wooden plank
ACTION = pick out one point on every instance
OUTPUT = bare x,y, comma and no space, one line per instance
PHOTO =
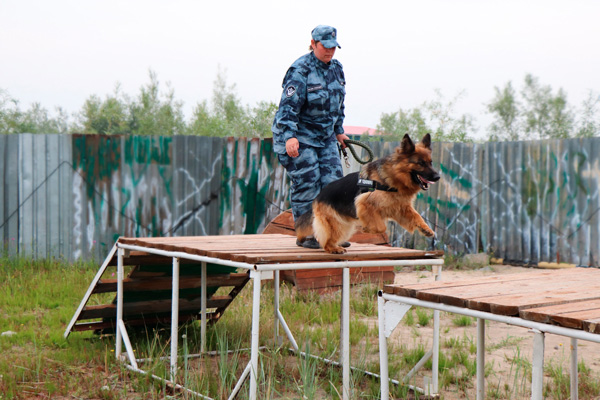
411,290
479,296
547,314
166,283
147,321
592,325
459,287
150,307
512,304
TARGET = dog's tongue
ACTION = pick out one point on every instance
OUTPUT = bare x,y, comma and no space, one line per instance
424,182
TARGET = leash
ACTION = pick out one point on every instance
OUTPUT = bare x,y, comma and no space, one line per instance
349,144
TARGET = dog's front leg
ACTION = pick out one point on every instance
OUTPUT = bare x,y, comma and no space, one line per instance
409,219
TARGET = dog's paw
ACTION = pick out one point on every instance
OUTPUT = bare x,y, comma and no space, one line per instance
335,250
427,232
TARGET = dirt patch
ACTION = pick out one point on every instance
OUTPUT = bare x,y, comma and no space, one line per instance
508,348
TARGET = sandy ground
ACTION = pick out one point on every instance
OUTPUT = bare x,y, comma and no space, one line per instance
504,343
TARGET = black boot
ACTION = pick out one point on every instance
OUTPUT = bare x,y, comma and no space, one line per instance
309,243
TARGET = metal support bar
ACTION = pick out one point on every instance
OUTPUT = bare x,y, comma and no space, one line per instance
128,347
240,382
345,337
537,369
256,276
346,264
276,306
383,351
287,330
574,371
119,300
203,297
174,317
418,366
516,321
435,369
480,359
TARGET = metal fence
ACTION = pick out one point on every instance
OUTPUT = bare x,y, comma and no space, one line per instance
71,196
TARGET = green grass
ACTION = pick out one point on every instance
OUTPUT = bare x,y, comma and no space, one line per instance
38,299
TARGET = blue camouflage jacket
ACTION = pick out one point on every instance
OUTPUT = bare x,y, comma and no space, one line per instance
312,103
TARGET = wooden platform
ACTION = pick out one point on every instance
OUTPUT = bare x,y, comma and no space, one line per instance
331,278
147,287
568,298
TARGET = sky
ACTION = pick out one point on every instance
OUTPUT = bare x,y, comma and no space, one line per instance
395,53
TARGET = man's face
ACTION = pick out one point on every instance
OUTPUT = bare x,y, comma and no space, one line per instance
322,53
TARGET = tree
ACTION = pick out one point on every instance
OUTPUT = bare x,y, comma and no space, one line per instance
105,117
36,119
227,116
505,110
588,122
547,116
538,113
150,113
436,117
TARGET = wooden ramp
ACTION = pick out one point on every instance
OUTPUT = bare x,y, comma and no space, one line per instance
147,293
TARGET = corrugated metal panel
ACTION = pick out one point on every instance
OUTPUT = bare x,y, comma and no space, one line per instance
9,190
197,165
72,196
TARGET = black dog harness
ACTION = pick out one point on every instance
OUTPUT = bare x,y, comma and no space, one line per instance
368,185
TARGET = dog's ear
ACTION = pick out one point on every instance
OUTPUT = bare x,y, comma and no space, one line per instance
407,146
426,141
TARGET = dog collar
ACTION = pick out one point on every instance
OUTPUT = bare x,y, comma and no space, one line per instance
368,185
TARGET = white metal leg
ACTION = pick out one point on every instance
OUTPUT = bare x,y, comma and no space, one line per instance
480,359
276,306
383,351
435,358
345,327
174,317
203,297
120,274
256,275
574,372
537,373
437,271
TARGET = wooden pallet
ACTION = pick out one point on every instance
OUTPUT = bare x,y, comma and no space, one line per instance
331,278
147,293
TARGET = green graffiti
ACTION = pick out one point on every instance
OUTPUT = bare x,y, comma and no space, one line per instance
455,177
252,194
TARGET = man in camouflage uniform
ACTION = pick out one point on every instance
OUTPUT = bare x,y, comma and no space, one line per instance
308,123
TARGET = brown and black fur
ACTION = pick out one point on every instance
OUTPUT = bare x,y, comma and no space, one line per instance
342,204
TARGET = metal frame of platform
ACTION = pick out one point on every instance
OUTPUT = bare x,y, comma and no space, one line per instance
258,273
392,308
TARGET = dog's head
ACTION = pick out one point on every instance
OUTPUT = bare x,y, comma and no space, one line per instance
416,161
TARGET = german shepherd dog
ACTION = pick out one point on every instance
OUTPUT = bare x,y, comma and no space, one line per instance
383,190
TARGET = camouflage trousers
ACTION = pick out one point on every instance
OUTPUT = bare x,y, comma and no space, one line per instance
314,168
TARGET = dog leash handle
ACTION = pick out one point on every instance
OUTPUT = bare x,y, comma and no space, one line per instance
345,154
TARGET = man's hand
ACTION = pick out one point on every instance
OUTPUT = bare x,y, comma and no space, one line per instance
292,146
341,137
